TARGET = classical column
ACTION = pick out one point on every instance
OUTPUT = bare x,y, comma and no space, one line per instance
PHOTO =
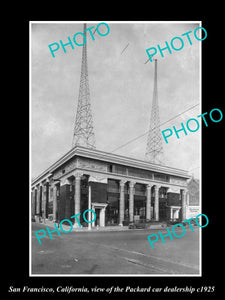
148,202
39,188
156,206
183,205
102,217
89,206
43,206
131,201
121,215
35,200
77,198
32,202
55,206
40,199
187,198
47,198
94,223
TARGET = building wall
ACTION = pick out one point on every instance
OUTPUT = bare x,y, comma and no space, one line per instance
95,165
193,191
173,199
98,192
177,180
192,211
66,168
65,203
106,180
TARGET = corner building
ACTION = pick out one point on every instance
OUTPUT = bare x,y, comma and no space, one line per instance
119,189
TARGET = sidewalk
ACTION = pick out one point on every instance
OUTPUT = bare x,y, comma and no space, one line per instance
51,224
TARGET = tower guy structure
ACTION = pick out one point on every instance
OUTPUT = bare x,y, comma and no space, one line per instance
154,150
83,134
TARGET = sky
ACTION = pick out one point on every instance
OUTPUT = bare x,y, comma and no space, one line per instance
121,90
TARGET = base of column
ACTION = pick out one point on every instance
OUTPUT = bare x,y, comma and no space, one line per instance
121,224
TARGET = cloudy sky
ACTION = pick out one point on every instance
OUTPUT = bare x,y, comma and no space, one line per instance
121,89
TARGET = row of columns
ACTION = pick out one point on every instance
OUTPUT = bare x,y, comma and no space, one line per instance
77,196
148,202
42,196
131,202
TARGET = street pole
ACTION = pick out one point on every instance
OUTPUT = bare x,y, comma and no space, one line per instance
89,205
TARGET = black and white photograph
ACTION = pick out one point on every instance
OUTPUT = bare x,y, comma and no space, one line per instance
115,178
115,116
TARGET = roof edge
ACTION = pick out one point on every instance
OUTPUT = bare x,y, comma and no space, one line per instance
111,157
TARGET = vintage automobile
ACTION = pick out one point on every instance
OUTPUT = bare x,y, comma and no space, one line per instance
139,224
145,223
178,221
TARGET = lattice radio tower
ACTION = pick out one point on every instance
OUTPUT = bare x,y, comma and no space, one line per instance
154,150
84,130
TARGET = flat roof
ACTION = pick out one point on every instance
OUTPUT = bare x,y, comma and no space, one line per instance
112,158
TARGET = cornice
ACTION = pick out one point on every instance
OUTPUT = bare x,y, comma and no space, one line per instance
111,158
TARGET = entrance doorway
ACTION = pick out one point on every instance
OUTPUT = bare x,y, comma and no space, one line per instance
97,212
174,213
99,209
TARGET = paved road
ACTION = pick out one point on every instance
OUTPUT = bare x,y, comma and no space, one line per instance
110,252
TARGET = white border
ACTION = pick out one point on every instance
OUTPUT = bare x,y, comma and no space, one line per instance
30,130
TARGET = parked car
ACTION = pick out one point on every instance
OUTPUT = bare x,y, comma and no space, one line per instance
178,221
139,224
147,224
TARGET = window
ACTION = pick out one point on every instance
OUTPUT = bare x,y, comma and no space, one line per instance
139,173
161,177
120,169
110,168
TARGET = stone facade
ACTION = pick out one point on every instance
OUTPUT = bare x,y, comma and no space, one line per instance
129,189
90,164
193,201
66,168
193,191
178,180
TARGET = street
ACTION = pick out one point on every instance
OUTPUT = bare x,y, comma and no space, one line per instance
114,252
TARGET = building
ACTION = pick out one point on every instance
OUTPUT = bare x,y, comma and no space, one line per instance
119,189
193,203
